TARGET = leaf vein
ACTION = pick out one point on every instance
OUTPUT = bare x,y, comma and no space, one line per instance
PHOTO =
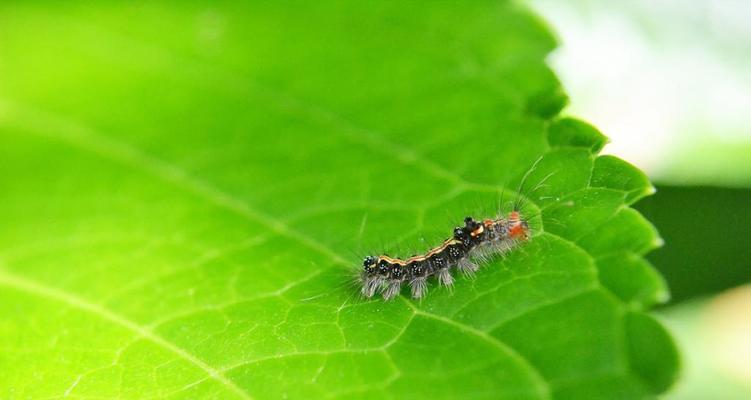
47,292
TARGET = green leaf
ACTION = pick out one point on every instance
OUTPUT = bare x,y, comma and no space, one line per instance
614,173
572,132
187,191
650,347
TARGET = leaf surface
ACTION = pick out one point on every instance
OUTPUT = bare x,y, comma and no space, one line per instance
187,190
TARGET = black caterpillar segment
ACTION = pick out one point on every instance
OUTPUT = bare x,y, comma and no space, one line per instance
474,243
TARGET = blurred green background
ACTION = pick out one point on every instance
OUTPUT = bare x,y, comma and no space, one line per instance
669,83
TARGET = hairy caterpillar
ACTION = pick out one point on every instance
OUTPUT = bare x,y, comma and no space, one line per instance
475,242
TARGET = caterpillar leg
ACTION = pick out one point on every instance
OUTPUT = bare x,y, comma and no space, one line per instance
482,253
370,285
467,267
444,277
392,289
419,287
502,247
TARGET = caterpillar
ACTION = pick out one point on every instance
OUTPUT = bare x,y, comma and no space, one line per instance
474,243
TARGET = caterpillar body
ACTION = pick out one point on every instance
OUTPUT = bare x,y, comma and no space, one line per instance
474,243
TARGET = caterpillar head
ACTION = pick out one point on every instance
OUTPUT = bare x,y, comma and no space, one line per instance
518,227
